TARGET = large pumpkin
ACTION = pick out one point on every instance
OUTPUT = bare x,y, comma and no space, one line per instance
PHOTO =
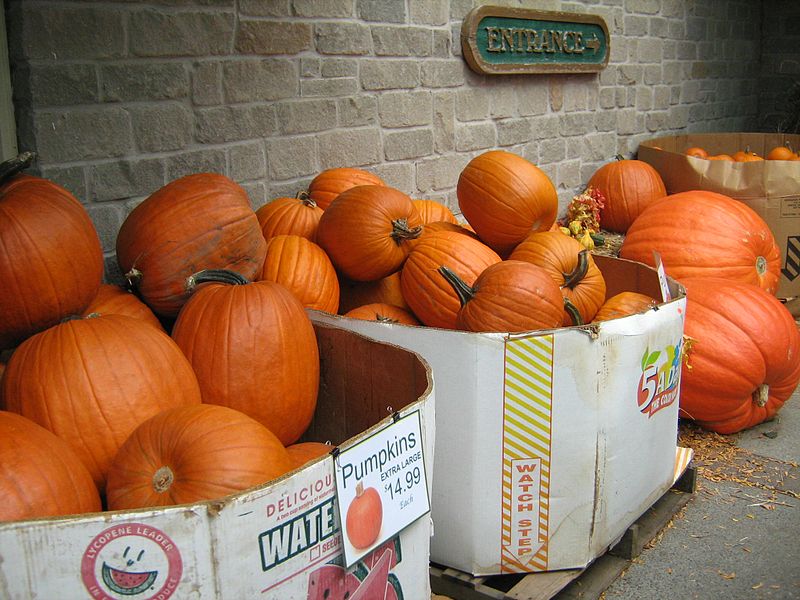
193,453
353,294
305,269
290,216
51,263
505,197
254,350
367,231
40,475
328,184
200,221
114,300
431,298
628,186
571,266
702,234
431,211
91,381
743,354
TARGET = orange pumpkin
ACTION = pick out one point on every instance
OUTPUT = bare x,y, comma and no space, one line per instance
115,300
504,197
40,475
726,157
191,454
746,156
386,290
303,452
697,152
431,211
383,313
253,349
305,269
624,304
784,152
328,184
290,216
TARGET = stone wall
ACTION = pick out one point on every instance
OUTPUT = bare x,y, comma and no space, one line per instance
779,84
120,97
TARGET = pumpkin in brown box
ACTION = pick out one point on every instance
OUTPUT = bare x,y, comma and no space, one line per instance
367,231
624,304
40,475
191,454
701,233
742,356
383,313
326,186
303,452
628,186
114,300
92,380
200,221
505,197
253,349
51,263
290,216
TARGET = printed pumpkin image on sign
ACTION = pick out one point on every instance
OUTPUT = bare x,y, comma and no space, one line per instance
364,517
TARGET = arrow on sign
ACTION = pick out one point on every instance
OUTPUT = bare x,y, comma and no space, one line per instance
593,43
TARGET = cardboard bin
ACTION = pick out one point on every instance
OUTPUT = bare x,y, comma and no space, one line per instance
770,187
279,541
551,443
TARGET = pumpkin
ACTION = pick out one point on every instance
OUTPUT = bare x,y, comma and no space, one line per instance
701,233
504,197
430,297
51,265
305,269
40,475
367,231
697,152
364,517
746,156
328,184
624,304
253,349
784,152
431,211
200,221
383,313
726,157
191,454
115,300
303,452
743,355
628,186
571,267
510,296
386,290
92,380
290,216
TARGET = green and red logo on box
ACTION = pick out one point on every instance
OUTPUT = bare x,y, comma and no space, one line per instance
660,380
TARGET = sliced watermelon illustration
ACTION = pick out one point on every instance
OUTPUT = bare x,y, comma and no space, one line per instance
127,583
391,544
331,582
375,584
394,591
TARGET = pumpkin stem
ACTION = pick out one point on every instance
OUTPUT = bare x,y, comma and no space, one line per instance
384,319
761,265
761,394
465,293
359,489
573,312
132,278
576,276
619,157
163,479
401,231
12,166
306,199
215,276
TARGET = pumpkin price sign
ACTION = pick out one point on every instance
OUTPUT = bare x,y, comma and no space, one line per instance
381,486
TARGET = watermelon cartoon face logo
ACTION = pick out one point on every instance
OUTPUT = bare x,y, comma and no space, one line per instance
659,383
131,561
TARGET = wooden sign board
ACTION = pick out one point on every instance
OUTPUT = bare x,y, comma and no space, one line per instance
500,40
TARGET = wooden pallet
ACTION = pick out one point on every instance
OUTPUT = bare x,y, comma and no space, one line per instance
572,584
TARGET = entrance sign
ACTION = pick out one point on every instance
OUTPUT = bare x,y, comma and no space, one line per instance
499,40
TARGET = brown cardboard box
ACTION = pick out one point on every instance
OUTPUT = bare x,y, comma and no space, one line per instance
770,187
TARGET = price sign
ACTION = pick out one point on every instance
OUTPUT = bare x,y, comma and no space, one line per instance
662,277
381,486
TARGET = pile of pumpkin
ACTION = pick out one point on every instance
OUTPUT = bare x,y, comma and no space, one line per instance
784,152
199,377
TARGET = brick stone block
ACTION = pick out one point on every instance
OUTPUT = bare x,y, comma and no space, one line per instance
310,67
55,33
357,111
405,109
644,98
534,101
303,116
350,148
234,123
605,120
259,80
256,192
260,8
107,219
513,131
656,121
326,9
444,119
443,43
429,12
342,38
399,175
649,51
406,144
593,147
200,161
629,121
388,75
552,150
273,37
546,127
440,173
282,189
577,123
568,175
339,67
125,179
636,26
247,161
72,179
442,73
71,135
652,75
329,88
391,40
144,81
57,85
207,83
472,104
384,11
290,158
159,33
475,136
161,127
606,99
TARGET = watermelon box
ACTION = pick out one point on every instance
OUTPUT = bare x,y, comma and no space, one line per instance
551,443
280,541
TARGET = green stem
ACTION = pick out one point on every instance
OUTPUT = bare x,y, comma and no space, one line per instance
464,292
576,276
12,166
401,231
573,312
215,276
306,199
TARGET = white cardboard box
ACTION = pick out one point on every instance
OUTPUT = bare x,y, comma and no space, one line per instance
549,444
280,541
